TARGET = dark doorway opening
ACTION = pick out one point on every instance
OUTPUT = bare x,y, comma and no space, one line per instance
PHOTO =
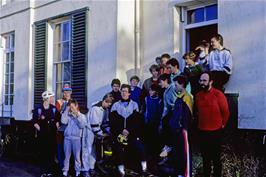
195,35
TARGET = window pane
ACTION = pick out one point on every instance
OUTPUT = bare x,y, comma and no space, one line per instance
196,15
57,53
11,77
11,97
6,100
57,34
7,42
211,12
12,67
12,56
67,71
66,31
7,57
7,68
6,89
58,90
12,40
58,73
6,79
11,88
65,51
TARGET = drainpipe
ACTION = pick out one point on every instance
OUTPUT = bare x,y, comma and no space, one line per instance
137,37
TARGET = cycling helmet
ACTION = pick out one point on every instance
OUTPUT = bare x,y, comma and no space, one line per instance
47,94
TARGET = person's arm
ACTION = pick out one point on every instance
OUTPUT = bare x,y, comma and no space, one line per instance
95,121
228,62
57,118
35,118
81,120
65,118
224,109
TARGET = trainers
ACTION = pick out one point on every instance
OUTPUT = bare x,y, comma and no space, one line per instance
165,151
44,175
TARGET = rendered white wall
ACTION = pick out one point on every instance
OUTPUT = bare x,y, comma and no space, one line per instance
242,24
20,23
157,32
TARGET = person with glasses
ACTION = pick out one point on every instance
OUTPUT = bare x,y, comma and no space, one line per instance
126,128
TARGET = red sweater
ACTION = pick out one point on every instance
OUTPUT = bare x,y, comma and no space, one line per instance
213,111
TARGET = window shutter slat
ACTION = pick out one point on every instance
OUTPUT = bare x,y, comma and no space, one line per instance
79,58
39,62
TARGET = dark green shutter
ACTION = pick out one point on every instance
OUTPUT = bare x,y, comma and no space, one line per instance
79,58
39,62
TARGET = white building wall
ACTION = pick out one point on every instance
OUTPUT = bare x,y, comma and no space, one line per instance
157,32
242,24
20,23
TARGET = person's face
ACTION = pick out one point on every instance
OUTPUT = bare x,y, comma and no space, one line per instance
215,43
154,73
73,107
178,87
169,68
205,82
189,61
52,100
164,60
116,87
125,93
67,94
134,82
106,104
152,92
164,83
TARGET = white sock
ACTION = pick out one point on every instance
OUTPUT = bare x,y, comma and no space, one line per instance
144,165
77,173
65,173
121,169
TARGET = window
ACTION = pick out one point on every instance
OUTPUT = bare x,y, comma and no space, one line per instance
202,14
200,24
9,46
62,55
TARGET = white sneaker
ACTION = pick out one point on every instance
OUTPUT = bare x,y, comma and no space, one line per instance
165,151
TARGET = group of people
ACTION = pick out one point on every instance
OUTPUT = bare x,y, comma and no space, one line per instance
152,122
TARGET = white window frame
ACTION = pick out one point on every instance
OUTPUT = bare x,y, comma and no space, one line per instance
7,108
55,63
187,26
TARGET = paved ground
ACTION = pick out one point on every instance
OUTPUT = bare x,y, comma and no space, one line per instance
17,168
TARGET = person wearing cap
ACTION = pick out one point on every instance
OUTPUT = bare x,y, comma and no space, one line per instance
45,118
61,105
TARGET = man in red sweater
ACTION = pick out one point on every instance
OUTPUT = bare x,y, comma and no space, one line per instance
213,114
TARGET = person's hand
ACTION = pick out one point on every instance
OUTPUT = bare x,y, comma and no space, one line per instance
125,132
37,126
199,48
42,117
57,125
